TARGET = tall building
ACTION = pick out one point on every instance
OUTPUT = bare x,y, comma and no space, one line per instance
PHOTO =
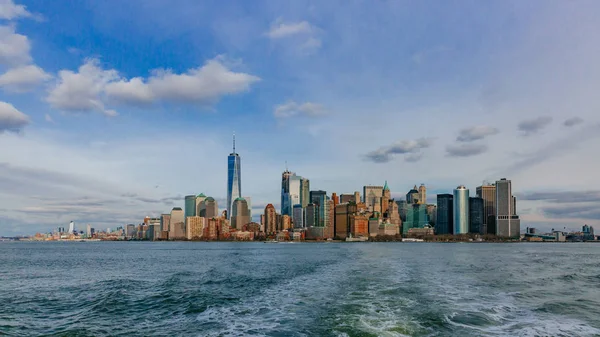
488,194
372,197
385,198
432,214
234,179
165,222
286,222
319,198
343,212
311,213
402,209
199,199
393,215
422,194
345,198
476,215
71,227
177,222
194,227
461,210
190,205
412,197
508,223
298,216
240,214
416,217
304,192
88,231
291,192
270,219
249,202
209,208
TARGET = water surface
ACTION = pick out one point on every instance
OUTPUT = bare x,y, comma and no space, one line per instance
311,289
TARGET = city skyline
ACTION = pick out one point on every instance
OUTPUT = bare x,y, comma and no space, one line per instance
418,93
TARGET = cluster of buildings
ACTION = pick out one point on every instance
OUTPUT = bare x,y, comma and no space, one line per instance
315,214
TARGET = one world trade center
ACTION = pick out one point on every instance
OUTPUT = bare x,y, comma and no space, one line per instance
234,179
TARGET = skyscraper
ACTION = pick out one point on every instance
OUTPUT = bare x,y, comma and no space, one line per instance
412,196
461,210
290,192
298,217
177,222
476,215
416,217
508,223
209,208
190,205
422,194
488,194
372,195
249,202
270,219
385,198
71,227
240,215
165,222
304,192
234,179
199,199
319,198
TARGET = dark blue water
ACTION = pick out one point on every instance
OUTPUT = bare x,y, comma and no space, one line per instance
312,289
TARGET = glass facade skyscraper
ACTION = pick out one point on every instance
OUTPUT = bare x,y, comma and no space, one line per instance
234,179
476,215
416,217
461,210
190,205
445,214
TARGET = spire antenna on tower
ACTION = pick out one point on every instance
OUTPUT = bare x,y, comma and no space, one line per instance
233,141
286,167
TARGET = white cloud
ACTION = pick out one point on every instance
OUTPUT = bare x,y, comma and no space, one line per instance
14,48
281,29
476,133
88,89
12,119
48,118
9,10
23,78
80,91
292,109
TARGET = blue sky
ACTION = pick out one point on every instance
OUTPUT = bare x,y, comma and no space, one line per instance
113,110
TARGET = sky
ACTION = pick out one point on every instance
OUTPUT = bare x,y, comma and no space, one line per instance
114,110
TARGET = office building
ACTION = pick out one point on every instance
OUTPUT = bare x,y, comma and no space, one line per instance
487,192
393,214
412,197
461,210
234,178
199,199
445,214
508,223
177,223
304,192
372,197
298,216
270,218
402,209
194,227
476,215
432,214
190,205
346,198
422,194
416,217
291,192
385,198
319,199
240,215
249,202
165,221
311,213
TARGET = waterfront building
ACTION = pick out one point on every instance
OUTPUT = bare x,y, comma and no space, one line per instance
286,222
177,223
422,194
416,217
130,231
461,210
476,215
372,197
190,205
311,214
270,219
195,227
241,213
71,227
234,178
373,226
88,231
507,222
412,197
290,192
330,219
298,216
393,214
488,193
388,228
342,219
